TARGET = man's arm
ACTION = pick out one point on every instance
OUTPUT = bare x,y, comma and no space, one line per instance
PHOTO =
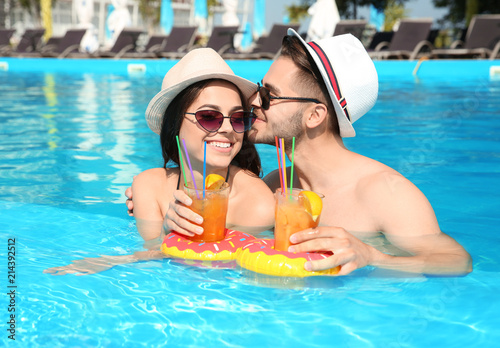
407,220
438,254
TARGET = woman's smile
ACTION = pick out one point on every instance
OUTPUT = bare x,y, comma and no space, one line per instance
220,145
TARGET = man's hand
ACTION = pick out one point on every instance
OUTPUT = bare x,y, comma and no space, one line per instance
128,202
348,251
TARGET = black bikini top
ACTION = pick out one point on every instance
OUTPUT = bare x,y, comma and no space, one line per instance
179,179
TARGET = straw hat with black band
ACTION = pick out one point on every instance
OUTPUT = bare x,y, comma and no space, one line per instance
349,75
197,65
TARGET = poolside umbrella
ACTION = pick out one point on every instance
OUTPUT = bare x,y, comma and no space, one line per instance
324,18
46,9
246,38
259,17
85,12
167,16
229,17
201,14
107,31
118,19
377,18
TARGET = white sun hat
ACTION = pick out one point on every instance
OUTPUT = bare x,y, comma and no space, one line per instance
197,65
349,75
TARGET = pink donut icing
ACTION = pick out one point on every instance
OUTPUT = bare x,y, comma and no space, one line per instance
177,245
254,254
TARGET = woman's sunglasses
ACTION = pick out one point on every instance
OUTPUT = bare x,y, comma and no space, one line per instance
212,120
266,97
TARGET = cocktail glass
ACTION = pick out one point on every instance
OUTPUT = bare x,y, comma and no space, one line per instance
213,209
292,215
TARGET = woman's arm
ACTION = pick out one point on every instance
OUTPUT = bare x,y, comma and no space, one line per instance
147,210
92,265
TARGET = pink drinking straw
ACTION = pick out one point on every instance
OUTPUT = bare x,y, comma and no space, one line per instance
190,168
283,158
291,174
283,167
279,164
204,165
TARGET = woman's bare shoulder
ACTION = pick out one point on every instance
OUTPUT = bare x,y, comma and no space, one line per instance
249,181
154,177
253,201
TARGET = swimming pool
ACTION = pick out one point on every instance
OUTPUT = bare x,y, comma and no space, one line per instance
72,141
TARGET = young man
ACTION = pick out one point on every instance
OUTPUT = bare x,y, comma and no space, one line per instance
339,83
314,92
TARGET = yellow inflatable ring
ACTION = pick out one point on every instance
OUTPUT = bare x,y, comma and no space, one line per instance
257,255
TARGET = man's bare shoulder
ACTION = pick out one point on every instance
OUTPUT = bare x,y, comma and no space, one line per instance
377,180
395,202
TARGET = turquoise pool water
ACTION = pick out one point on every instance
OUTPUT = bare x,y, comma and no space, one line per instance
71,142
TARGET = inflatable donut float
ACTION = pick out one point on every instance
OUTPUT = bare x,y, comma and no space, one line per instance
178,246
257,255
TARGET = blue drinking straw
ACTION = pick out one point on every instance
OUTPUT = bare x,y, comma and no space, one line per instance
204,165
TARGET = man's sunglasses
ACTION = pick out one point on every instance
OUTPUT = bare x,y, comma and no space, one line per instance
266,97
211,120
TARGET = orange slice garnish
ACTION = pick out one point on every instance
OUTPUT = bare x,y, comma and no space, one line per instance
214,182
313,203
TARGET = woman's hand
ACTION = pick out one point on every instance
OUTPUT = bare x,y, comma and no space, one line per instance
92,265
180,218
89,265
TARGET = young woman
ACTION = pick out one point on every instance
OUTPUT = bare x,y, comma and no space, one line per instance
202,101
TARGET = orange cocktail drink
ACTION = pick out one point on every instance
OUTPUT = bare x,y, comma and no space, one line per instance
293,214
213,209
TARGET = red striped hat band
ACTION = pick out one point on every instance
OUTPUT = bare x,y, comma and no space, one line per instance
332,79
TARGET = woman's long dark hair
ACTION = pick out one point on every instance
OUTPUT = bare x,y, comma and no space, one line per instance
247,158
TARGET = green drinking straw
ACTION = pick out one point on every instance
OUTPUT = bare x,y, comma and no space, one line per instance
190,168
291,174
181,160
